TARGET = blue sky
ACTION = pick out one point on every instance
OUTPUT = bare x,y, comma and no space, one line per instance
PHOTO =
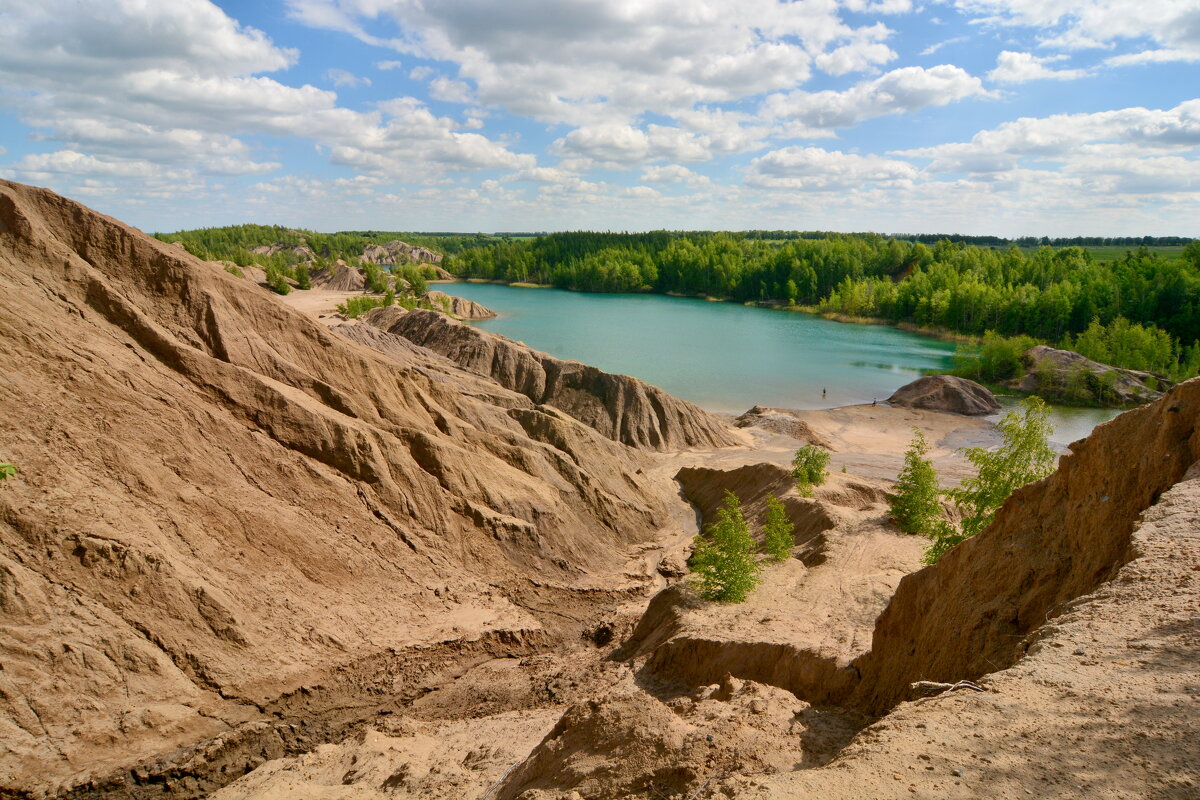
1009,117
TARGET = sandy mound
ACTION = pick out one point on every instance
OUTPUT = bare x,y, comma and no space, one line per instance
782,420
235,532
341,277
458,307
623,746
620,407
946,393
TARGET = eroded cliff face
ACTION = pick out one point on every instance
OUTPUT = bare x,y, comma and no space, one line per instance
622,408
1052,542
220,502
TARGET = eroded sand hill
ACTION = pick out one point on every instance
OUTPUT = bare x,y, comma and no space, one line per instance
250,555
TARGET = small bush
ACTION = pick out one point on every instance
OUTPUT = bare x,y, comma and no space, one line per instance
355,307
303,279
915,503
278,283
723,560
1024,457
809,468
234,270
7,470
778,538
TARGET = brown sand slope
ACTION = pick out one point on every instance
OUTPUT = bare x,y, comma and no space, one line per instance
620,407
220,500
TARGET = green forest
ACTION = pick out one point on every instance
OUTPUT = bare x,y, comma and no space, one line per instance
1140,309
1130,302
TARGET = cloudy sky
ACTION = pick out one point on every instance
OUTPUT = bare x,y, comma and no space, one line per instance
1012,117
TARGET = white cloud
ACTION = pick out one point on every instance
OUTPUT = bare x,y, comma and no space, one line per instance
176,83
903,90
933,48
1077,24
815,169
341,77
673,173
1062,137
384,66
594,62
1014,67
450,91
620,146
1153,57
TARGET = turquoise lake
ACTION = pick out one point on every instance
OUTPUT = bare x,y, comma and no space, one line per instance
726,357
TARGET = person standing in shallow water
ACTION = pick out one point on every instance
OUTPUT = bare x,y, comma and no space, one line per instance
823,393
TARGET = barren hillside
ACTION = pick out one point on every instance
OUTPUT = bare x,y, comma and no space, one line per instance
228,519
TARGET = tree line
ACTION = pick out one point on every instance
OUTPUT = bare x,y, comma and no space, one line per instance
1053,295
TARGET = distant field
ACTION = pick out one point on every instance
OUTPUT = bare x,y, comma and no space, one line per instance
1104,253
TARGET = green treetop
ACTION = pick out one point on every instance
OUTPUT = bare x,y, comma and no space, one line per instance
723,560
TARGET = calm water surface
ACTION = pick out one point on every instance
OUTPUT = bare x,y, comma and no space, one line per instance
727,357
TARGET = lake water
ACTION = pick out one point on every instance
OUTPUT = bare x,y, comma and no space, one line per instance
726,357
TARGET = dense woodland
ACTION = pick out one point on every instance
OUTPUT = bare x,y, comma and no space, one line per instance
1140,310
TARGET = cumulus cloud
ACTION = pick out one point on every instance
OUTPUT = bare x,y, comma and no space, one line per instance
624,145
900,91
1062,136
1173,25
1014,67
178,83
450,91
341,77
596,62
815,169
385,66
674,173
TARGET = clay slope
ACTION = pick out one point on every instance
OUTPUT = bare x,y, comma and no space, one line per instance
227,515
1053,541
620,407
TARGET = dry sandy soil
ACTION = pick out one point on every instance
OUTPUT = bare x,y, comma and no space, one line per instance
253,555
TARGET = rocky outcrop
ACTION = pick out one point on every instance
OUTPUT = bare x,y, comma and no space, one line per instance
458,307
1069,376
398,252
340,277
622,408
946,393
301,253
234,531
782,420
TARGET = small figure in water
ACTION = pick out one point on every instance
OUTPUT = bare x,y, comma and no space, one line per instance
873,402
823,392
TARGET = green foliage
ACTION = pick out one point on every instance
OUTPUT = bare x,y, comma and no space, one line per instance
277,281
809,468
1040,292
723,559
355,307
778,531
1127,344
1024,456
233,269
377,281
7,470
915,503
303,279
997,358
